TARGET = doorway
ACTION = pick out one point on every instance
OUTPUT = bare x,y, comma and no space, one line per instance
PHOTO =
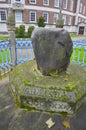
81,30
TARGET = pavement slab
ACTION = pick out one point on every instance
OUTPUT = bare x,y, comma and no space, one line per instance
14,118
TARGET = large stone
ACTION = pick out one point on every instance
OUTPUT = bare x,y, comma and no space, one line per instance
52,48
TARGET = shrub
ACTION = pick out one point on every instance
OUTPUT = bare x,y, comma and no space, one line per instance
17,32
30,30
41,22
21,31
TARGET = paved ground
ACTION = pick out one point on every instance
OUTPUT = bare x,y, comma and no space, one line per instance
14,118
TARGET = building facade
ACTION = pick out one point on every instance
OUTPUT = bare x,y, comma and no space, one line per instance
27,12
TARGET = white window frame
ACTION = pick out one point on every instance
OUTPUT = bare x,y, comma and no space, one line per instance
5,14
55,17
64,19
47,4
56,3
46,20
71,5
17,19
32,2
66,5
70,20
34,17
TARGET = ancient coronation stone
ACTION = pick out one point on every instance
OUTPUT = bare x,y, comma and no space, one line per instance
52,48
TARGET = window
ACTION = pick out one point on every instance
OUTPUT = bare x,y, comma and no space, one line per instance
65,4
18,16
64,19
2,15
79,20
85,20
45,14
55,17
17,1
32,1
56,3
84,10
32,16
80,7
71,5
45,2
70,20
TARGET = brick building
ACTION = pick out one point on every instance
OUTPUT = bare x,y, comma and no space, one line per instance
28,11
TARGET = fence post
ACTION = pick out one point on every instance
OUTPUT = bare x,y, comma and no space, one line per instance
11,32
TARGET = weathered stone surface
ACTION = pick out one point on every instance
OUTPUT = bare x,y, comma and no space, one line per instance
52,48
65,92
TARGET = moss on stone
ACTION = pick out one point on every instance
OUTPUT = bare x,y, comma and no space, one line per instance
72,81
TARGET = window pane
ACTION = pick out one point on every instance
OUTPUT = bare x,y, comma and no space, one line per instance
18,0
33,16
55,17
45,17
18,16
56,3
46,2
71,5
33,1
64,19
81,8
65,4
3,15
70,20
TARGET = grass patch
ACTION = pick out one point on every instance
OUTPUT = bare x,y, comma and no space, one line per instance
73,35
4,56
3,37
78,55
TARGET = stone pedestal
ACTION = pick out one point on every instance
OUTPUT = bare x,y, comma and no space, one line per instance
65,92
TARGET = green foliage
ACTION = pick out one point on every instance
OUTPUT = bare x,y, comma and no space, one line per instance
41,22
60,22
30,30
17,32
20,31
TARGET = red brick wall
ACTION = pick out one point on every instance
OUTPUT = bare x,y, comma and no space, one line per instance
51,5
26,16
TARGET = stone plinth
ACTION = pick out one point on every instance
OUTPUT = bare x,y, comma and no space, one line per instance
65,92
52,49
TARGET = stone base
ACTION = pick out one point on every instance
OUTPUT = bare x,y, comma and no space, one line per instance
64,92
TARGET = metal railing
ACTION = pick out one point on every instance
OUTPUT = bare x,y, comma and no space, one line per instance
24,52
79,52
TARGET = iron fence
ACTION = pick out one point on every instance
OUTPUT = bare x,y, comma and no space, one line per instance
24,52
